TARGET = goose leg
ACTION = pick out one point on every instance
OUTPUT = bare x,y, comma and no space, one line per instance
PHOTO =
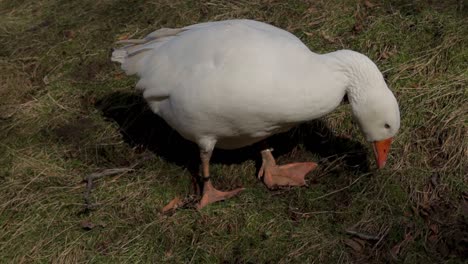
292,174
210,194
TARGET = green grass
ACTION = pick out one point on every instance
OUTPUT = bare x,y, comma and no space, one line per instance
66,111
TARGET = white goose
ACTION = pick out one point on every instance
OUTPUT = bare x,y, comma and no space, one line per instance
232,83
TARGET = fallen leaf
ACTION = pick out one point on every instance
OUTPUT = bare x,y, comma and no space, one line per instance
368,4
172,205
168,253
69,34
355,245
310,34
397,248
312,9
87,225
327,37
434,228
361,241
119,76
433,238
122,37
358,27
385,55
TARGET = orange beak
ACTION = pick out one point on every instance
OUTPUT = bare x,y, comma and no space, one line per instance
381,149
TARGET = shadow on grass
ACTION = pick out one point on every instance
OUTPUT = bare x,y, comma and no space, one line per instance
142,128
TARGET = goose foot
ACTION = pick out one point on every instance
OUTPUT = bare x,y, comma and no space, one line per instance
173,205
292,174
211,195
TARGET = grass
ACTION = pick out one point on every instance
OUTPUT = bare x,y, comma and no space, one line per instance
66,111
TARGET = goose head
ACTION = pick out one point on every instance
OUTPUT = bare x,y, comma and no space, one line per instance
378,117
373,104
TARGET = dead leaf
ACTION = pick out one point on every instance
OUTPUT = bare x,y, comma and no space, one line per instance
122,37
434,228
397,248
327,37
385,55
168,253
87,225
368,4
69,34
355,245
361,241
312,9
358,27
433,238
309,34
119,76
172,205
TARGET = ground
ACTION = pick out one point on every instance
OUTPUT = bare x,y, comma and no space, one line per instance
67,112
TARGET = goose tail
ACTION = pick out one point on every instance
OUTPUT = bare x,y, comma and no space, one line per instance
134,53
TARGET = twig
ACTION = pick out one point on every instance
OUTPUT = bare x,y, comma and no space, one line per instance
340,190
364,236
309,214
96,175
385,233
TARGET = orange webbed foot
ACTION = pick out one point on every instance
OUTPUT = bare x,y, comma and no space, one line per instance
292,174
211,195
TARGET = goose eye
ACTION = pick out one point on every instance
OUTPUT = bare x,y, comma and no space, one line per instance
387,126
